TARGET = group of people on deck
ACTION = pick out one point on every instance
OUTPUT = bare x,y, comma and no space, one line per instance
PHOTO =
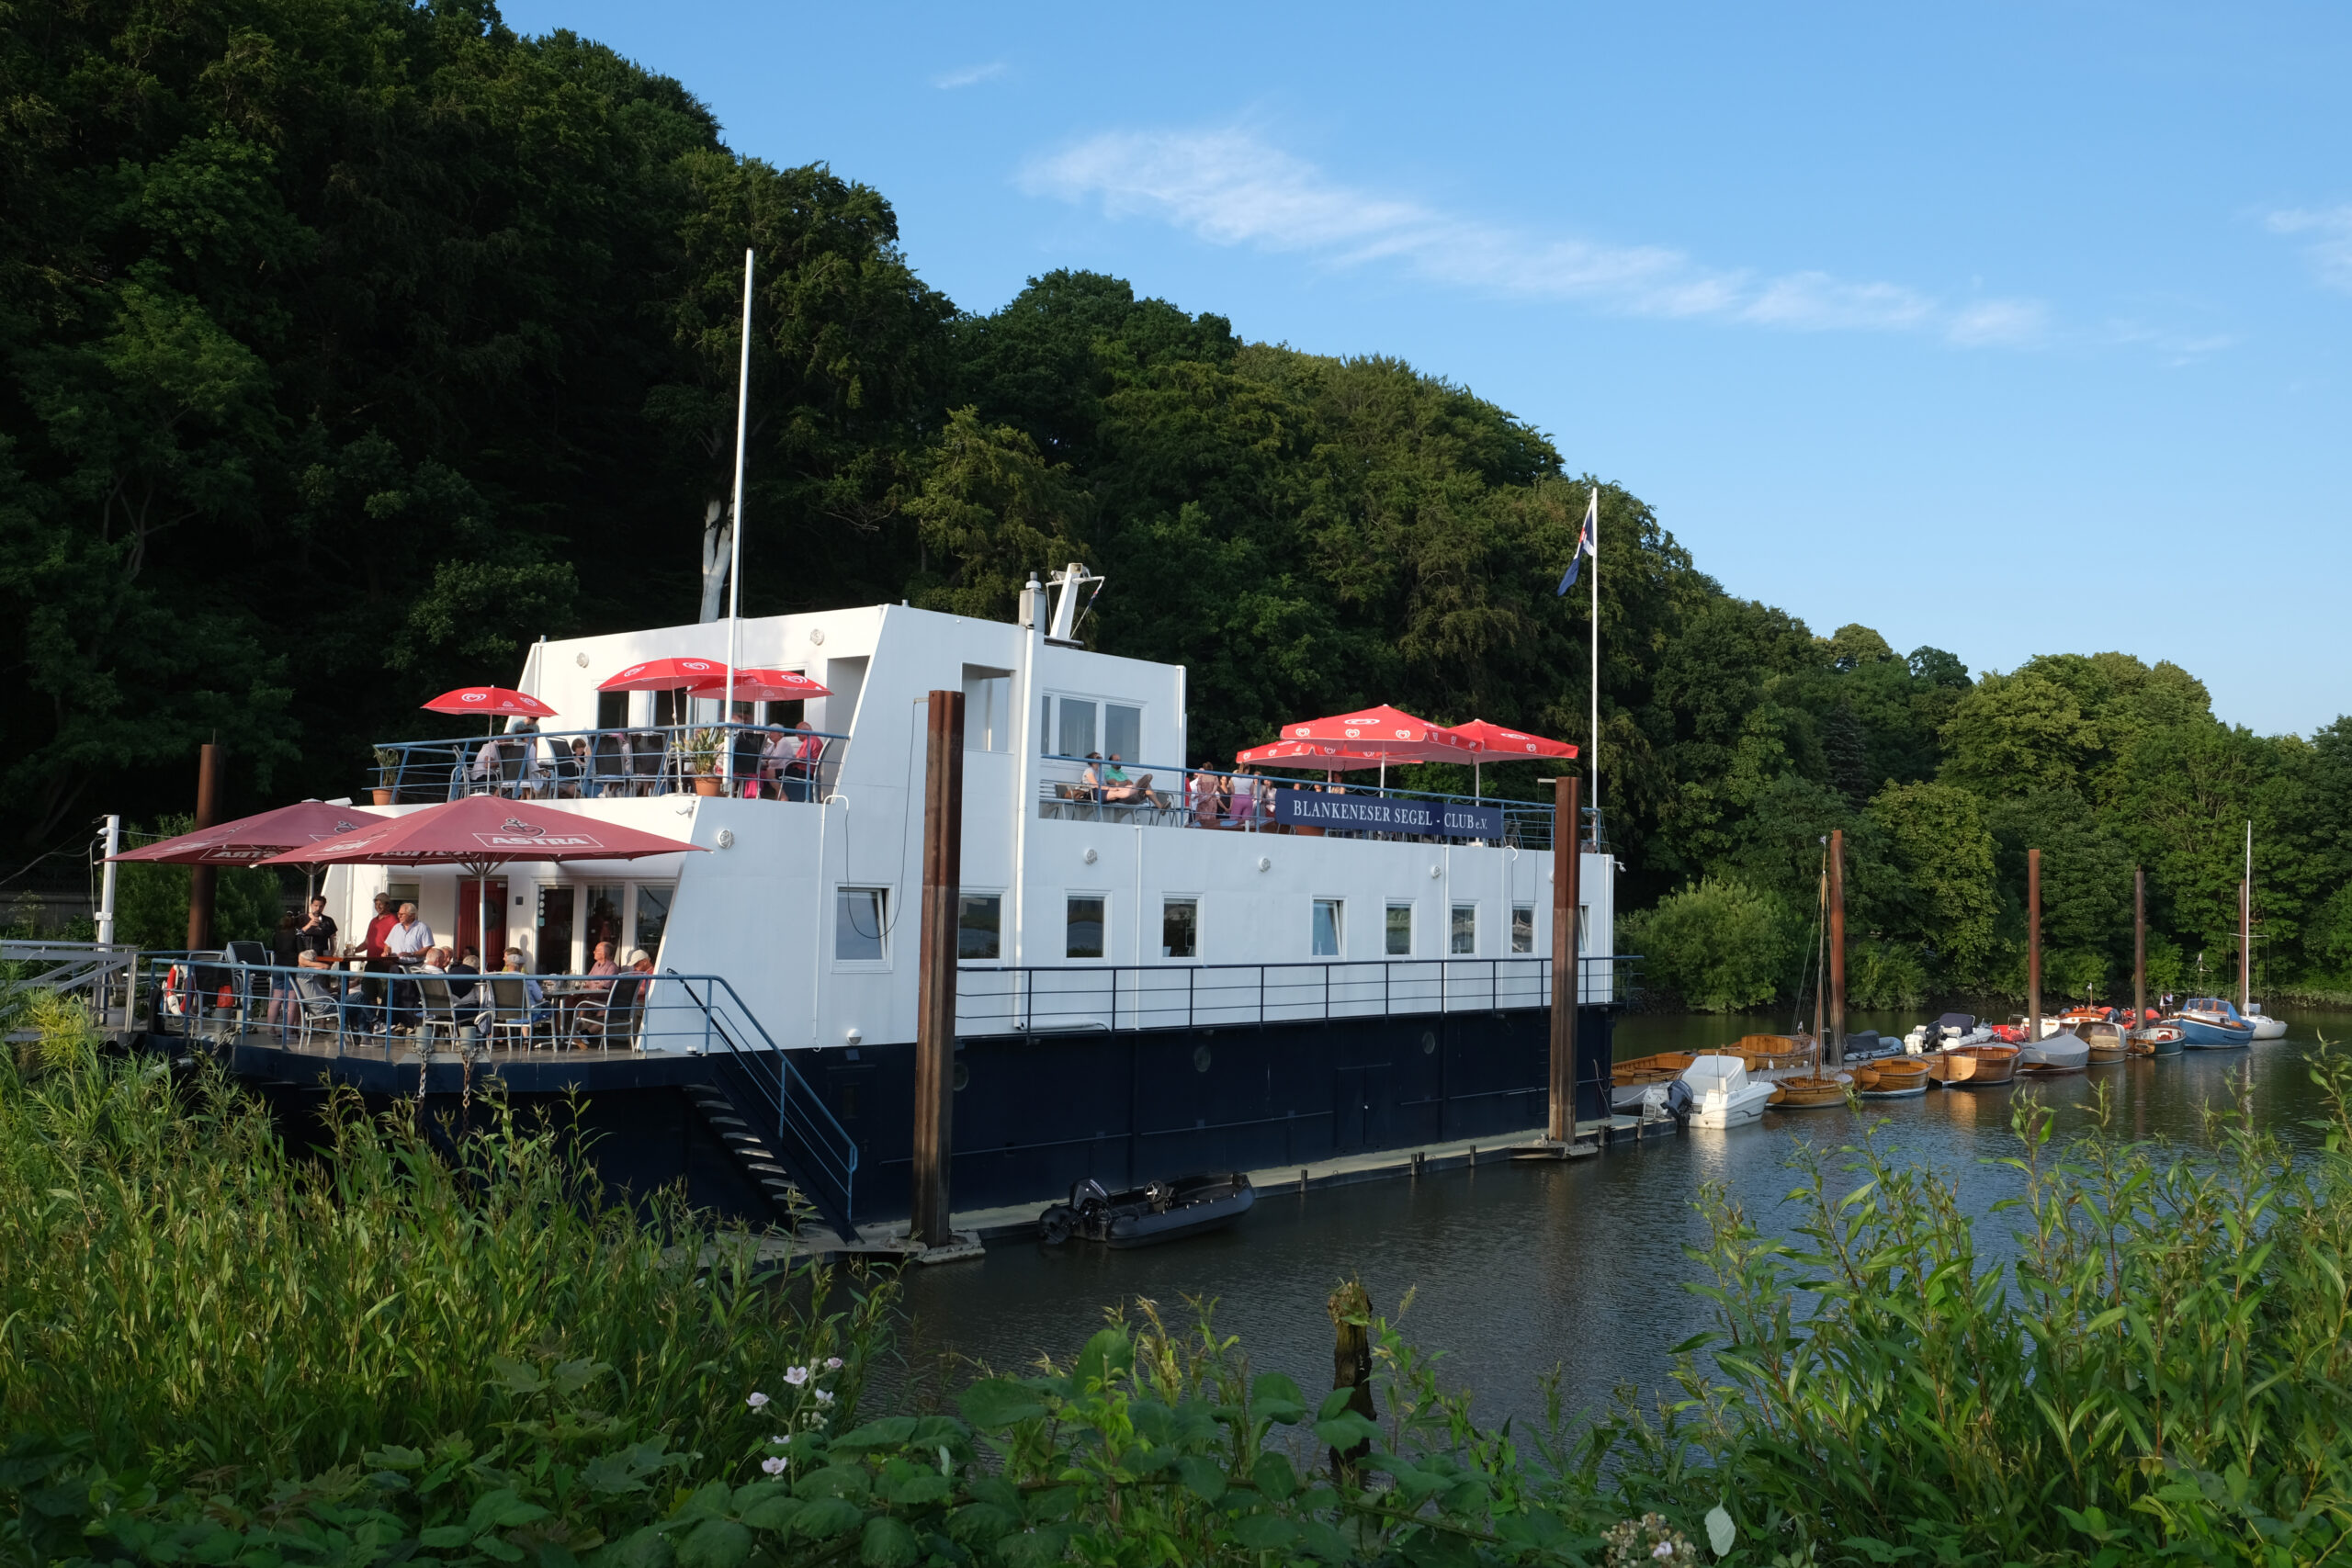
1243,797
770,762
399,943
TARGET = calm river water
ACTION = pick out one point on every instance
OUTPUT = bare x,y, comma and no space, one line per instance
1516,1267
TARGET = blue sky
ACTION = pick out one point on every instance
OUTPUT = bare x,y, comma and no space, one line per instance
2007,329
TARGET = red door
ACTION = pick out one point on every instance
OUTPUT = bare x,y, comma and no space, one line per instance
470,890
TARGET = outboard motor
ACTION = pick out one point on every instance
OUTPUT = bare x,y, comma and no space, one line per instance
1679,1104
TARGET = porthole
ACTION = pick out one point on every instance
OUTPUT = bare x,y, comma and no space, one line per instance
1199,1058
1429,1041
963,1073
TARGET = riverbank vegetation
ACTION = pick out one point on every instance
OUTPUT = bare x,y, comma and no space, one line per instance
401,1346
351,346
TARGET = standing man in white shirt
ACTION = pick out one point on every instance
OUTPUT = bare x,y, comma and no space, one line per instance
407,944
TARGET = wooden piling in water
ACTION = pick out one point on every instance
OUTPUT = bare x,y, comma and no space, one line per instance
942,874
1836,1037
2139,947
1351,1310
2033,945
1567,829
202,879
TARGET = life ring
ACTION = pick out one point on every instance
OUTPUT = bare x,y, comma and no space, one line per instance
175,984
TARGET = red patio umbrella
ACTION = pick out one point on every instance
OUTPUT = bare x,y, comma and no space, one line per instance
763,686
1508,745
1388,734
490,699
665,675
1307,755
480,833
281,834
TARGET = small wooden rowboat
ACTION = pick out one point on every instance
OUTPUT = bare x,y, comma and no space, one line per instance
1773,1055
1890,1079
1808,1091
1664,1068
1973,1066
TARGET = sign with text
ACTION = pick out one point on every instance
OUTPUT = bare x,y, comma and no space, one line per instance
1378,814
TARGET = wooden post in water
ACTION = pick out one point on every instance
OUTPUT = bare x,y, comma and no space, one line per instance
942,874
2033,945
1836,1039
1566,829
1351,1310
201,878
2139,947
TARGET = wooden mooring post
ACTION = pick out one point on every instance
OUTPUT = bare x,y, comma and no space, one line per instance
1566,830
201,879
1351,1310
2032,946
942,874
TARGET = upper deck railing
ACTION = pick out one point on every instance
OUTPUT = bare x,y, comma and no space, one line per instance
1080,789
776,762
1072,998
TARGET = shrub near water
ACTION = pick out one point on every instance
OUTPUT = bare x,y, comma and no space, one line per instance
174,1282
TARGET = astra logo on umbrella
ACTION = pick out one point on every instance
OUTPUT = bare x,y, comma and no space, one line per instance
527,837
515,825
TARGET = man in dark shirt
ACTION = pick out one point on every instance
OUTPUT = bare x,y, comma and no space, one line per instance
469,963
318,932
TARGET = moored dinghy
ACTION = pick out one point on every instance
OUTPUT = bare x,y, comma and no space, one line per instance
1973,1066
2064,1052
1893,1078
1158,1211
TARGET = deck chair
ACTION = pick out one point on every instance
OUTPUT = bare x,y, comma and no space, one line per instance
612,1023
510,1015
319,1008
514,758
436,1009
648,754
608,764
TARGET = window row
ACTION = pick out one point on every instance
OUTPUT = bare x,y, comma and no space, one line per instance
861,925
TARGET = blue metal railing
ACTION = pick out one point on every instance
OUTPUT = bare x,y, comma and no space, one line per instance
1160,795
338,1013
1054,998
643,760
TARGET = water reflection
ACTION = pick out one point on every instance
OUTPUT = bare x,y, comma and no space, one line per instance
1514,1268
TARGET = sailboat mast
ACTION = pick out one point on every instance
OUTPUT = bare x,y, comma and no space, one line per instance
735,532
1596,666
2245,927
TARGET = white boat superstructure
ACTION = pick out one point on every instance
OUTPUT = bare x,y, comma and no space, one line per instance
1097,905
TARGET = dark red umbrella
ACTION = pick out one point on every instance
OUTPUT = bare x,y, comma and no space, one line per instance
248,841
483,832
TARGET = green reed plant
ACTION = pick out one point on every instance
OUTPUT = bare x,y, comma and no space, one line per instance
184,1291
2161,1372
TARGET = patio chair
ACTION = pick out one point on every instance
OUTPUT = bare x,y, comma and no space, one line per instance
612,1023
436,1009
320,1009
608,767
509,1012
647,753
514,758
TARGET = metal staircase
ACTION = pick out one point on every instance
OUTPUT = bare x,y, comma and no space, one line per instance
769,1118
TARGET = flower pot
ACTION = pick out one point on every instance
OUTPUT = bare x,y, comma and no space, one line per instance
383,797
705,783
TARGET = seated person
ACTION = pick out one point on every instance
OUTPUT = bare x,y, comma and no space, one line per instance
1116,785
469,963
1090,779
572,774
484,767
746,747
617,1012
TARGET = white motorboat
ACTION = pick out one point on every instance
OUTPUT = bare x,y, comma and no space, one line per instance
2265,1026
1722,1093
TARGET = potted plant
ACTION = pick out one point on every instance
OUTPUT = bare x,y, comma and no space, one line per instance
702,749
387,767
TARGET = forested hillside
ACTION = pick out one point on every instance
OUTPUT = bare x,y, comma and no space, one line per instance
351,345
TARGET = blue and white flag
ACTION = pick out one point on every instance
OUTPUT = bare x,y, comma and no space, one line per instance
1584,540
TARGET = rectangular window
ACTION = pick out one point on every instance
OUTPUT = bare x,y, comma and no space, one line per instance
1584,928
861,921
978,925
1123,732
612,710
1522,928
1180,929
1330,915
1400,931
602,921
653,916
1083,935
1076,737
555,930
987,721
1463,929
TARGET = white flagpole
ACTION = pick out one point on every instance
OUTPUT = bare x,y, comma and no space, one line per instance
735,534
1592,521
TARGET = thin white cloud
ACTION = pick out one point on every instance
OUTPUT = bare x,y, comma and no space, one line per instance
1230,187
968,76
2329,241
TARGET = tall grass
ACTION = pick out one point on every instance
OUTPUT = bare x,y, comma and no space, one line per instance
175,1282
2162,1371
